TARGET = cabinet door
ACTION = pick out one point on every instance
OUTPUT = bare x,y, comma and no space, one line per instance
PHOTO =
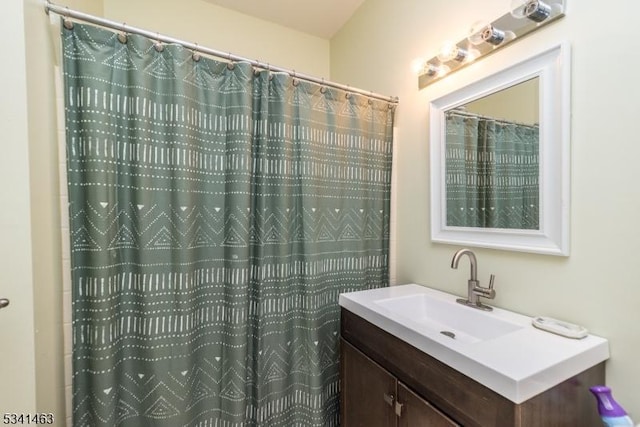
368,391
417,412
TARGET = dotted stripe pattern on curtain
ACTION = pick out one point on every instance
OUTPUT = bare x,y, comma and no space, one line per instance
216,213
492,173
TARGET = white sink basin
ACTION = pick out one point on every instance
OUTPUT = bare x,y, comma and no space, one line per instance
499,349
449,318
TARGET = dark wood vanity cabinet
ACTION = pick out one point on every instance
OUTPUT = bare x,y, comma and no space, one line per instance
372,397
366,388
415,411
388,383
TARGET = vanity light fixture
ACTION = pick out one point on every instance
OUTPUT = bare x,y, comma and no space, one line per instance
524,17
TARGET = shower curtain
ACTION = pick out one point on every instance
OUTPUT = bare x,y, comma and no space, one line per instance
216,213
492,173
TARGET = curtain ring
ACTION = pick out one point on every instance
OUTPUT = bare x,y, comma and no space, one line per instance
269,71
323,88
158,45
256,68
347,95
295,81
195,55
230,64
66,21
122,35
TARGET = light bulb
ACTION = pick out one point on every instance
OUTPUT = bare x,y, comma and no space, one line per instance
421,67
440,70
450,52
434,70
418,66
472,55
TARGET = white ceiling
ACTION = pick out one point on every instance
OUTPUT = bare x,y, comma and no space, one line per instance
321,18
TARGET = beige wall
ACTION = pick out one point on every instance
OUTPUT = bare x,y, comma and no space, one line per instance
44,210
43,193
227,31
92,7
597,286
17,367
517,103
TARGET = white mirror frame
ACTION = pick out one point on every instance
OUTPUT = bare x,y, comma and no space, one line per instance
552,66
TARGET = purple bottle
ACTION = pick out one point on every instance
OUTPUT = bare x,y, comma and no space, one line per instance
610,411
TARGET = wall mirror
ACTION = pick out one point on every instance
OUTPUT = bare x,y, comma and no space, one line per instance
500,158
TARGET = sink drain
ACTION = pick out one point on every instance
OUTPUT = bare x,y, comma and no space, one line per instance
449,334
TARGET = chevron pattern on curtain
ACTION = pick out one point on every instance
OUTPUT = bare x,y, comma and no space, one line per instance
492,173
216,213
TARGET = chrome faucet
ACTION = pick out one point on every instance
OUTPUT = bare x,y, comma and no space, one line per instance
475,291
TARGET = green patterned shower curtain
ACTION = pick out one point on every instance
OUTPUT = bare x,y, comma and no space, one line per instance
492,173
216,212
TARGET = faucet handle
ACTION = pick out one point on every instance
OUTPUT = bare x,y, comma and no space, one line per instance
491,293
486,292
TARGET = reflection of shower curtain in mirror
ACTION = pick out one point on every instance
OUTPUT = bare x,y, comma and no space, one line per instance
492,173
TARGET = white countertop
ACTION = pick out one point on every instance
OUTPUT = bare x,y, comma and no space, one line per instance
518,365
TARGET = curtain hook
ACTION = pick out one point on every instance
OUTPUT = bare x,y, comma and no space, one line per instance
195,55
66,21
256,68
269,71
295,81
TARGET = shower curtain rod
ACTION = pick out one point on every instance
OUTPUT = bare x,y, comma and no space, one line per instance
464,113
70,13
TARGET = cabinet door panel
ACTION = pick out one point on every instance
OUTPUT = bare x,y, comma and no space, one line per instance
418,412
364,386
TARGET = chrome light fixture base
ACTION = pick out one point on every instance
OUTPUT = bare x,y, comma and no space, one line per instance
525,17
